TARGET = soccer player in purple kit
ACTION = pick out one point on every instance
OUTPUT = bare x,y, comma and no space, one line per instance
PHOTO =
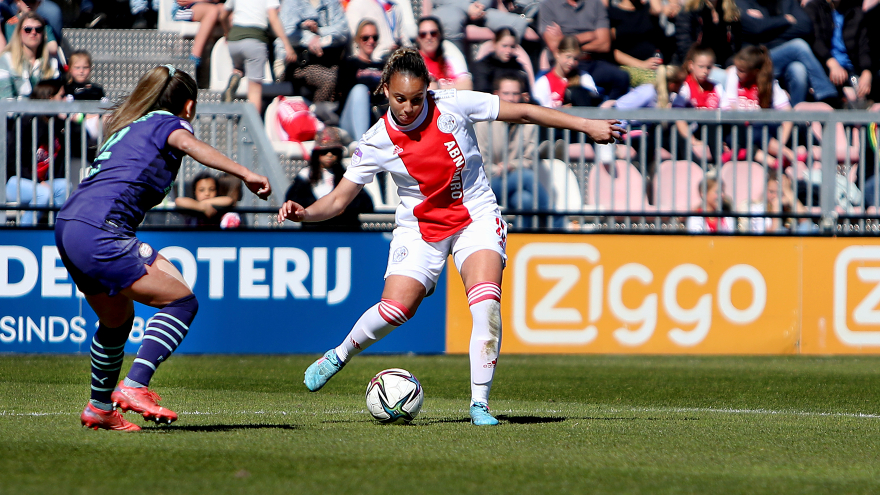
149,133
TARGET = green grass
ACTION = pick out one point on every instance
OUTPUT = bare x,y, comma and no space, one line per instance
570,424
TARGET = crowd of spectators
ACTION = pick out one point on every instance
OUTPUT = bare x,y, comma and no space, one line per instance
760,55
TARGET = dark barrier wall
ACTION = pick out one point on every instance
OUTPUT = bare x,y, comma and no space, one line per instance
259,292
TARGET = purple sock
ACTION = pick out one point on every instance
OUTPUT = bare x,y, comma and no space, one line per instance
107,354
165,331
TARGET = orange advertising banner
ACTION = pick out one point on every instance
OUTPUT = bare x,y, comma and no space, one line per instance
682,295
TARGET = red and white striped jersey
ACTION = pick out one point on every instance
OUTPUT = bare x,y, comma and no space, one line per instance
434,161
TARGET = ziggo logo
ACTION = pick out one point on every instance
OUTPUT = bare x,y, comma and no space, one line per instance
639,324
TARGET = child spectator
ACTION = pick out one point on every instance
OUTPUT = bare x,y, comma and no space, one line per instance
205,205
26,60
751,86
588,20
206,13
324,172
248,44
699,92
565,85
446,72
713,202
359,79
501,61
78,84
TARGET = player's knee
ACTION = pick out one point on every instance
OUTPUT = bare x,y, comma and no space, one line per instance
188,305
395,312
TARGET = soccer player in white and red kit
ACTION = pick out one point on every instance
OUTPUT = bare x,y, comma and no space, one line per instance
427,143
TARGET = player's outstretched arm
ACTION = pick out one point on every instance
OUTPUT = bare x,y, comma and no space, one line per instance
210,157
600,131
327,207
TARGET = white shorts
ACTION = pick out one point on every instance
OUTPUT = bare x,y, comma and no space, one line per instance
412,256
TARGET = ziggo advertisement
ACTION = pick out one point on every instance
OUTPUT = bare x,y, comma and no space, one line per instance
683,295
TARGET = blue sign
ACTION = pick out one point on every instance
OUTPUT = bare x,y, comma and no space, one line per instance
259,292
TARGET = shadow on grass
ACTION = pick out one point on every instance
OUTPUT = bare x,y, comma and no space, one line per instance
213,428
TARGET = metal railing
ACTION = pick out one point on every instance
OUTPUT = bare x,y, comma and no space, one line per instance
233,128
654,182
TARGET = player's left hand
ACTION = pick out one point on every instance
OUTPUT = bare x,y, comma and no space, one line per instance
604,131
291,210
258,185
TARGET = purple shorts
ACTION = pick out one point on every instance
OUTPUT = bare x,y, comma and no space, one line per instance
100,261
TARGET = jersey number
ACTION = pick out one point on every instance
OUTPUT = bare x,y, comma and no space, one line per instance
104,153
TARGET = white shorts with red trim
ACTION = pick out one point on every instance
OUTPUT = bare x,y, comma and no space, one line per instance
412,256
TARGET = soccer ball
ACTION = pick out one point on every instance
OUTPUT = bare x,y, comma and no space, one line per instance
394,396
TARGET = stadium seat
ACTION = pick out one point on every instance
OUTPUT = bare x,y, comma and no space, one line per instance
289,149
743,182
566,191
624,191
676,186
166,23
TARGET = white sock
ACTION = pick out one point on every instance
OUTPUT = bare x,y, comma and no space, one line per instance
375,323
485,304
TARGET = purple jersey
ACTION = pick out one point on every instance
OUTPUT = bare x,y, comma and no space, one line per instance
132,173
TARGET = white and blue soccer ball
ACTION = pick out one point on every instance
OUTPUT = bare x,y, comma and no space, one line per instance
394,396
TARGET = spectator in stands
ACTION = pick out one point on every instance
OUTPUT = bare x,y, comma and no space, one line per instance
565,84
782,26
635,38
781,199
35,163
699,92
79,85
456,15
26,60
48,10
206,206
23,8
501,61
319,32
324,172
446,71
248,44
713,201
393,19
509,150
359,79
206,13
713,24
145,12
751,86
588,21
842,44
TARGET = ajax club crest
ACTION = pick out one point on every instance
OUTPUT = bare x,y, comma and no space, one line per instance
446,123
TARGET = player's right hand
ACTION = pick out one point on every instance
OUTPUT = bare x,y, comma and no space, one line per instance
604,131
292,211
258,184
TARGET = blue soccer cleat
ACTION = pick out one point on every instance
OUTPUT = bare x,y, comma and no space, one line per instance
320,372
480,415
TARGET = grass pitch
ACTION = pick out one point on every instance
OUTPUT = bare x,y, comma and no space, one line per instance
570,424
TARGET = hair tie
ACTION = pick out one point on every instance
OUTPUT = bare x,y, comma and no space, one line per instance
171,69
